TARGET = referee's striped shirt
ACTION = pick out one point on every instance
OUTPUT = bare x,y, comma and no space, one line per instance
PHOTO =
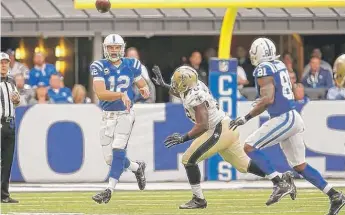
7,86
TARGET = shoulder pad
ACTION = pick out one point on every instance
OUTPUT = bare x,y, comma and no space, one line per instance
195,97
264,69
96,68
133,63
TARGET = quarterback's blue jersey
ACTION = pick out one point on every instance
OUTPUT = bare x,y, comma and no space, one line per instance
117,79
284,99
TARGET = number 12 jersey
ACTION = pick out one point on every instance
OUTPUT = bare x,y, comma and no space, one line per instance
117,79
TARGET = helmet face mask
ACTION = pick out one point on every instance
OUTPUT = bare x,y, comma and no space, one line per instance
339,71
114,47
183,79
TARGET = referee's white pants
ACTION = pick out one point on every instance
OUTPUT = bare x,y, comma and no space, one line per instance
116,128
285,129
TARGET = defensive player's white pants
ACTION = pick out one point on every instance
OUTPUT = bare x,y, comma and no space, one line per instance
285,129
116,128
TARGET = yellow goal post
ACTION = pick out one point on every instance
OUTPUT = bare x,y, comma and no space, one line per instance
230,14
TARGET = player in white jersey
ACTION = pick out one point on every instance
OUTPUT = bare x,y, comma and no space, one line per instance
285,125
210,133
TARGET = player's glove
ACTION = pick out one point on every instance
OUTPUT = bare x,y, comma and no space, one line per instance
237,122
175,139
159,78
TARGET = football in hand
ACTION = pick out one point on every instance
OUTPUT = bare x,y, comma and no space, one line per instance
103,6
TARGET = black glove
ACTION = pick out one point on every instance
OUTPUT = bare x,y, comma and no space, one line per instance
237,122
175,139
159,78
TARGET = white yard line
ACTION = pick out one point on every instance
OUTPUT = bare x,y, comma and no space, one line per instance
46,187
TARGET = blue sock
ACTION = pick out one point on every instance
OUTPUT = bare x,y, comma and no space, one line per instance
262,161
127,163
118,163
314,177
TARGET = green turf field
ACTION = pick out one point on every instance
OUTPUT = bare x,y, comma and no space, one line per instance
308,202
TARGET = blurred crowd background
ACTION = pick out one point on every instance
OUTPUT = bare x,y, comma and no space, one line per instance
55,70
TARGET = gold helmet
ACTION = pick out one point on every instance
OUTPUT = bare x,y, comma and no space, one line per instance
339,71
183,79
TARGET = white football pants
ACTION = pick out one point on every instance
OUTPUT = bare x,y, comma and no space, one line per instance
285,129
116,128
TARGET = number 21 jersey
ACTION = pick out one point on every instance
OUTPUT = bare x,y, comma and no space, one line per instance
117,79
284,99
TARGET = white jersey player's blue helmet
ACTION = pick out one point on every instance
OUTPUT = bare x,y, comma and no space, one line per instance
261,50
111,40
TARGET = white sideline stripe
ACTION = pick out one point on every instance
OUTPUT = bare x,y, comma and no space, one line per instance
230,212
35,187
224,204
167,195
166,200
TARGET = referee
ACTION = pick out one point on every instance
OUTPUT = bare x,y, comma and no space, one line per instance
9,100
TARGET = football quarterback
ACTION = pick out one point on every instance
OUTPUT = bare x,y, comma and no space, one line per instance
210,133
113,78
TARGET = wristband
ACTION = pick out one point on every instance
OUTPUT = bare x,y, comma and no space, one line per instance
186,137
248,117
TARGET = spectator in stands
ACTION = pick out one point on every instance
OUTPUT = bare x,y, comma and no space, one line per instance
62,83
288,61
293,78
133,53
299,94
323,64
317,77
208,54
58,94
245,63
41,71
16,67
25,91
41,95
79,95
336,93
184,60
287,58
195,62
241,81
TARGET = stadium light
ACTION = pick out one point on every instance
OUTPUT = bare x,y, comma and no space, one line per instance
60,66
230,14
20,54
38,49
60,51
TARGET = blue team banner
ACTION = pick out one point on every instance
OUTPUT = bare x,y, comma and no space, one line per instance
60,143
223,86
